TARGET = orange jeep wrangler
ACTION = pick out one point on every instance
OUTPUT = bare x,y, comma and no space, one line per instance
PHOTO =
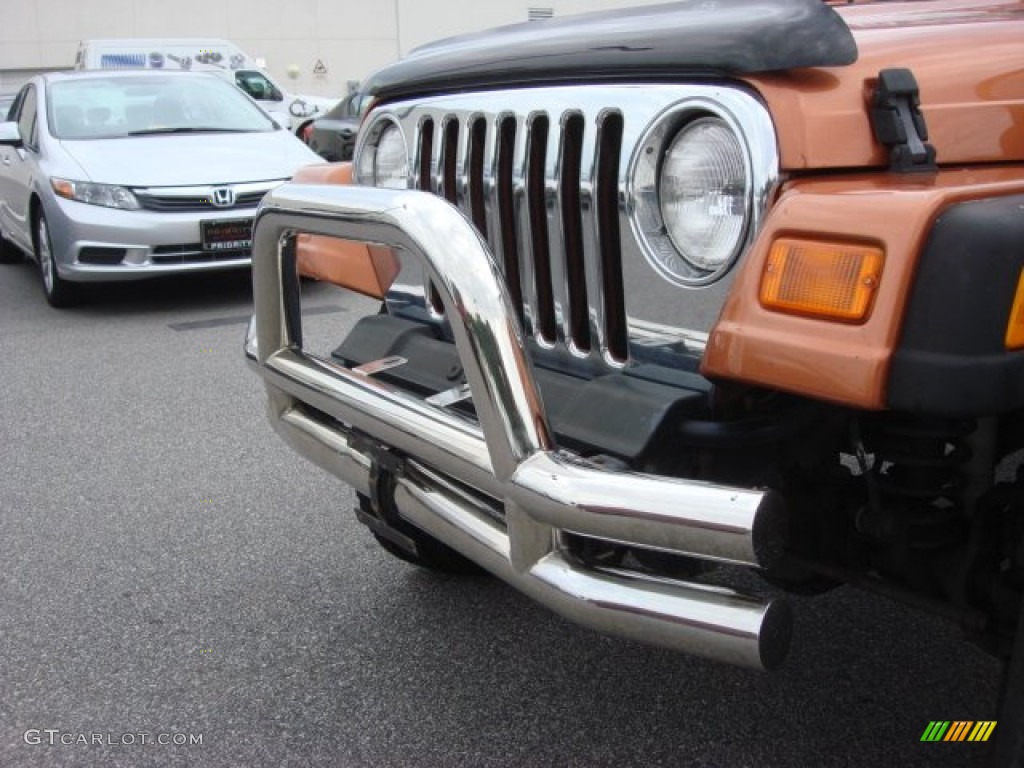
681,286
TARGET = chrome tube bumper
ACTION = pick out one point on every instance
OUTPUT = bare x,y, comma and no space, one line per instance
341,419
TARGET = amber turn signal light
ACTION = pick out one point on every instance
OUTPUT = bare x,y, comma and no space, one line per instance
1015,328
836,281
63,188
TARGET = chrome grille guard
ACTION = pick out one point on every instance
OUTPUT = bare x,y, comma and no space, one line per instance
529,493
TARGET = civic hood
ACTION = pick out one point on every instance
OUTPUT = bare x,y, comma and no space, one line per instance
199,158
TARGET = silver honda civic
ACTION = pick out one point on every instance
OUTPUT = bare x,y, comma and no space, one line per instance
118,175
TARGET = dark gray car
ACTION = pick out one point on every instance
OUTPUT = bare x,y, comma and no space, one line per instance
333,136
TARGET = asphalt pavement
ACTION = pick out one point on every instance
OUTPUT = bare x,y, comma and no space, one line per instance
177,588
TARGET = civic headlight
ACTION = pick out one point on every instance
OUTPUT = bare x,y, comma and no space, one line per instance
383,160
692,196
108,195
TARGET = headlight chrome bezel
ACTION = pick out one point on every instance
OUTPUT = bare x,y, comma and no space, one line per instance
644,187
367,153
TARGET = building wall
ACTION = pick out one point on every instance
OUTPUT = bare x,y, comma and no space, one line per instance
351,38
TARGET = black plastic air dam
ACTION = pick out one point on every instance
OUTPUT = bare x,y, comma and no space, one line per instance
615,414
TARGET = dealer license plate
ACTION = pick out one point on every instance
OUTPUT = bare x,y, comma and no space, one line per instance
228,235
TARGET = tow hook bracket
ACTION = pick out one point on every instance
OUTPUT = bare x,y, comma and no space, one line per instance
378,511
898,123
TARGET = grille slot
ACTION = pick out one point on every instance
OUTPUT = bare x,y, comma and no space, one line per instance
448,187
506,241
477,142
606,206
426,183
426,150
536,210
572,231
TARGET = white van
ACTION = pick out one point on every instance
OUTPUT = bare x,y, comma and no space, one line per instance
219,56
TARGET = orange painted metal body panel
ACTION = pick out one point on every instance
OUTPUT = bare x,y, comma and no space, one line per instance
834,361
366,269
324,173
972,98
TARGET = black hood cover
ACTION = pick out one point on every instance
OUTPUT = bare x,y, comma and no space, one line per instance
699,37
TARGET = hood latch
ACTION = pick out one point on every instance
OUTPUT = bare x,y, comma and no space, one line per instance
898,123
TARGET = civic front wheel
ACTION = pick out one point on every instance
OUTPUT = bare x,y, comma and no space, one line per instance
59,292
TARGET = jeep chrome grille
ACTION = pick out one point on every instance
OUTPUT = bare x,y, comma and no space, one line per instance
543,174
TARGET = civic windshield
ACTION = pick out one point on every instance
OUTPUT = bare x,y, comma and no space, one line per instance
111,106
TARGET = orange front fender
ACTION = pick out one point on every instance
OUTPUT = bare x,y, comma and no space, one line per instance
834,361
366,269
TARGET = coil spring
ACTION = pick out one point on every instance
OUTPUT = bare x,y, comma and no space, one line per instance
918,475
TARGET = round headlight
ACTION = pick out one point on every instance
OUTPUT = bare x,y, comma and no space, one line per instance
383,160
703,192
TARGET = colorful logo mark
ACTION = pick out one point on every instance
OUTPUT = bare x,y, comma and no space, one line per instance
958,730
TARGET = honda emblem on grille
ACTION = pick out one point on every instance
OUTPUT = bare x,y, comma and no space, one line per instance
223,197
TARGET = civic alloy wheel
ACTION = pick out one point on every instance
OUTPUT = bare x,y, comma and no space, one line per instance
59,293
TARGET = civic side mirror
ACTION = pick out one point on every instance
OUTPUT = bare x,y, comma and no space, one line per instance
10,136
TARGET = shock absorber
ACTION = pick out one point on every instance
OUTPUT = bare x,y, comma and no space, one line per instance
915,470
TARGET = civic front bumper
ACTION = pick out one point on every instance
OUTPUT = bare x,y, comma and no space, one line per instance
153,243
